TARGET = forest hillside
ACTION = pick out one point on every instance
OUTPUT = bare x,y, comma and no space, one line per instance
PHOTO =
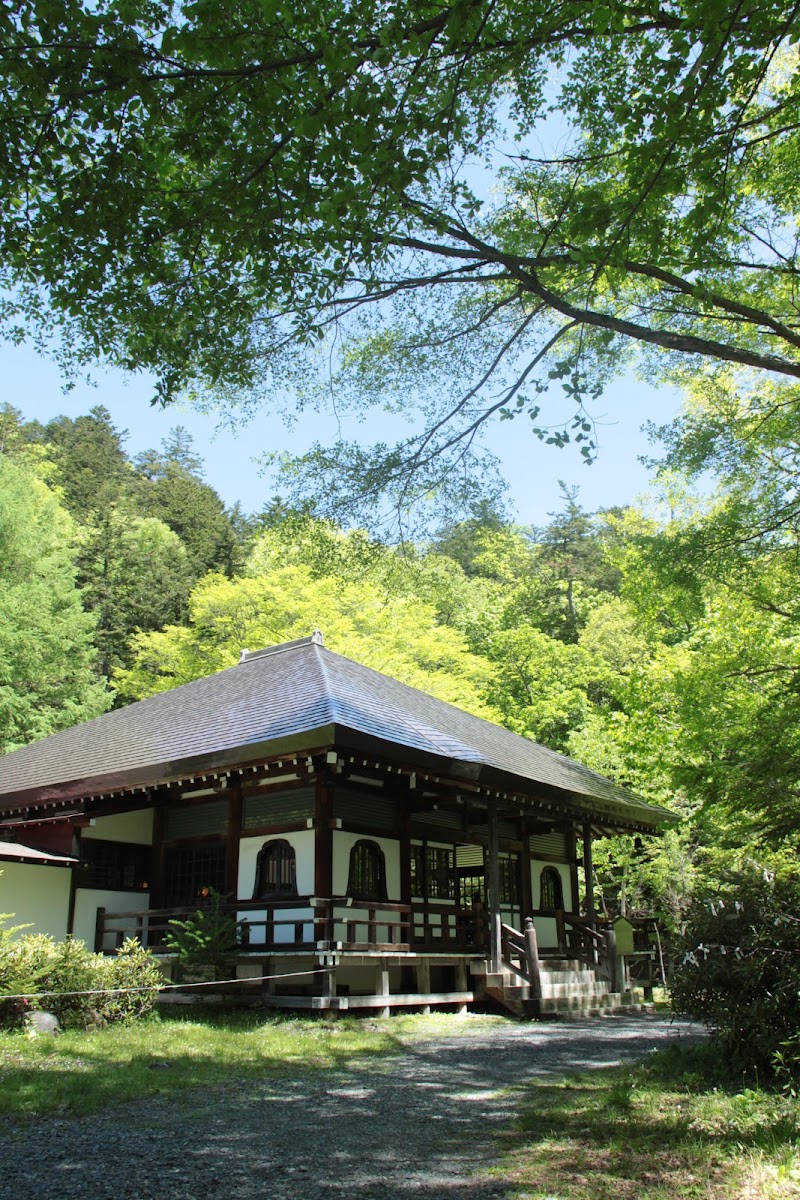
659,647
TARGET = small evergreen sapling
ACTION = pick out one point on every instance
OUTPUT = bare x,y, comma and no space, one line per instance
205,942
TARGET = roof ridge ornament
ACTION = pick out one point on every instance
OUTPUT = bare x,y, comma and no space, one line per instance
315,639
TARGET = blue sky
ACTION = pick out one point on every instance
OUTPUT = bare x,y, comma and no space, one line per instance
32,384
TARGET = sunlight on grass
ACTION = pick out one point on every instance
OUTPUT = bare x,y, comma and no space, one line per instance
653,1132
668,1128
79,1072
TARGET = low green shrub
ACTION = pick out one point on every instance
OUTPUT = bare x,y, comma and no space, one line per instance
133,978
15,980
66,979
737,969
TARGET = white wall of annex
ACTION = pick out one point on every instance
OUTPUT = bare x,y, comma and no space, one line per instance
36,895
87,902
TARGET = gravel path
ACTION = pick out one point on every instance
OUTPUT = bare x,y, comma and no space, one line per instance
421,1125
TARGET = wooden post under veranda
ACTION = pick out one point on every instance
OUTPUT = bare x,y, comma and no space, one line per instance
493,887
588,878
588,873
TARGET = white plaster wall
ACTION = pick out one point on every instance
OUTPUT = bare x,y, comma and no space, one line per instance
38,895
546,926
302,842
87,902
134,827
343,843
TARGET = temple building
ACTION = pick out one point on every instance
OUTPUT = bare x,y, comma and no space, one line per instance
374,847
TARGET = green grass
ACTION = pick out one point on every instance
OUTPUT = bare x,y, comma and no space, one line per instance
661,1130
669,1128
80,1072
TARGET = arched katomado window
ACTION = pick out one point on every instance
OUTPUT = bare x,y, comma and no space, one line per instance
551,893
367,877
276,873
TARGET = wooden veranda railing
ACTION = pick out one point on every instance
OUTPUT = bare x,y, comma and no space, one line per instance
307,922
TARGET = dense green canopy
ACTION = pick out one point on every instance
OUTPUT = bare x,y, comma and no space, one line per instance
46,653
206,190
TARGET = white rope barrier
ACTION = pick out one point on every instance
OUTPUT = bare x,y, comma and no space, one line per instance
163,987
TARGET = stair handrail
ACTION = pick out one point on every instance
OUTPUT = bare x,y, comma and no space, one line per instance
522,947
587,945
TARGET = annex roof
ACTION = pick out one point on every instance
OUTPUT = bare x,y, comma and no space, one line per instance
293,697
16,852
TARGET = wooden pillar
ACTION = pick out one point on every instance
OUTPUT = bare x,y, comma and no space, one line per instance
268,969
382,985
157,880
572,843
493,886
99,930
329,962
588,872
424,981
323,859
73,882
611,959
158,894
233,836
461,985
561,931
400,791
588,878
323,839
526,892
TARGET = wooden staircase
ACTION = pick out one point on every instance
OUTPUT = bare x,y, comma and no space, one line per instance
581,982
568,990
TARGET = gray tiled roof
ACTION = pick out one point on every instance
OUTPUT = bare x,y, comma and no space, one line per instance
296,695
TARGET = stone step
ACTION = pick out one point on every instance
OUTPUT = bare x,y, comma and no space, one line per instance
570,990
588,1012
517,991
558,963
588,988
552,986
503,979
567,1004
576,978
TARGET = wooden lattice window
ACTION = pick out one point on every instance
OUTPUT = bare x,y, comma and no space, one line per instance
551,892
191,873
276,871
432,869
509,880
118,866
367,877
